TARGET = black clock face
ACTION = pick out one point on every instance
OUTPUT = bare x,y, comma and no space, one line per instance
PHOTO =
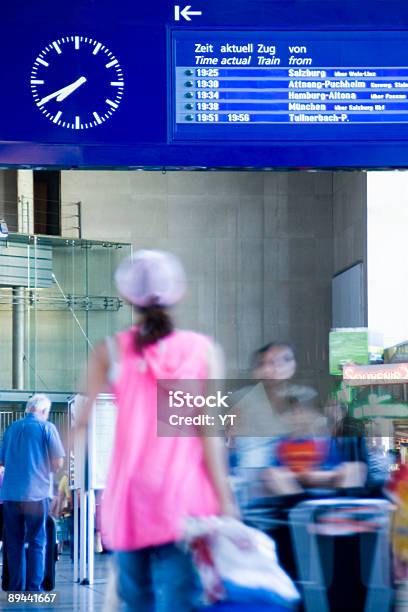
77,83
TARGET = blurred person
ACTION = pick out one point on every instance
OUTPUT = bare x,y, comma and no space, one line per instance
98,529
284,450
31,451
53,509
281,445
63,512
263,413
155,482
304,458
349,440
64,504
280,414
379,464
394,459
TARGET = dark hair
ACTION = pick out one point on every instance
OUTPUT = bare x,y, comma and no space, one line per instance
156,324
258,354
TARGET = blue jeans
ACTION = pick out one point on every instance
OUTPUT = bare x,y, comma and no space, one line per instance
25,522
158,578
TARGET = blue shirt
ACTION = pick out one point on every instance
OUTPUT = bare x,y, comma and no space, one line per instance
29,447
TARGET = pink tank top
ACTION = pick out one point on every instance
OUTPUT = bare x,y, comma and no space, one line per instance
154,482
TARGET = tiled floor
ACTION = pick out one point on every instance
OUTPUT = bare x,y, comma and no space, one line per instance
70,596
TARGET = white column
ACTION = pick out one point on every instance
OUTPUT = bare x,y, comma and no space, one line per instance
83,574
75,493
387,222
91,536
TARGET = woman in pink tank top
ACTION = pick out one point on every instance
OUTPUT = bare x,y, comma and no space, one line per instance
155,481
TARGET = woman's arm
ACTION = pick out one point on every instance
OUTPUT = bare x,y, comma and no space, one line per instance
215,458
97,382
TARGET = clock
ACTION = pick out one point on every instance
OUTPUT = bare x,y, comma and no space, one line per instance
77,83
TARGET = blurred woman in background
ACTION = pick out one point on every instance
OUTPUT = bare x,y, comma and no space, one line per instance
266,414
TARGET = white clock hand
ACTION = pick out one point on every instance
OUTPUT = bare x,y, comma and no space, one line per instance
70,88
63,93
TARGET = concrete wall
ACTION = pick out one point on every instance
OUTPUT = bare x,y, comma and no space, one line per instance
350,222
349,219
257,248
298,267
8,198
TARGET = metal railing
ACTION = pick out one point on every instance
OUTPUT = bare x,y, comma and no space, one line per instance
42,301
58,417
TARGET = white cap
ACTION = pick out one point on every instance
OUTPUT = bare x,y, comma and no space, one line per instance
151,278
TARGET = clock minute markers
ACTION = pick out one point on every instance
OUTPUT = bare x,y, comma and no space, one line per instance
64,92
112,63
102,95
57,117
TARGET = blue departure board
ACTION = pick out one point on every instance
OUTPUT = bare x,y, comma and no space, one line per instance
268,85
204,84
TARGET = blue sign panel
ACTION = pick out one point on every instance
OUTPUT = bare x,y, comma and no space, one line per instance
297,83
269,86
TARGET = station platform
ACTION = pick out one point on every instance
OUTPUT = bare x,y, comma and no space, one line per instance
71,596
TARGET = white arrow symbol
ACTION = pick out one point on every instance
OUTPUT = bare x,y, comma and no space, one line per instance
185,12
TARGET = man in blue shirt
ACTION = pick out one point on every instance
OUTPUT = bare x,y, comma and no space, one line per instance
31,450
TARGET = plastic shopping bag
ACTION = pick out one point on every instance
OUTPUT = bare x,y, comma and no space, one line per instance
238,563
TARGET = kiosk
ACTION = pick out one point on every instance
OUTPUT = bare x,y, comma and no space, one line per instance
90,452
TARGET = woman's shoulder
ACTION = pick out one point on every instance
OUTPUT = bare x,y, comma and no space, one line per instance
185,335
189,336
124,335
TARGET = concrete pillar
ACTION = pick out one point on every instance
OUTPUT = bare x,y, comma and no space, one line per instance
25,198
18,337
25,225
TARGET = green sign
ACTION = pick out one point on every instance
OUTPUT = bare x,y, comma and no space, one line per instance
371,410
348,346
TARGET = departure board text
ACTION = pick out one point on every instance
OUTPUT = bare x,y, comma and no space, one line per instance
286,79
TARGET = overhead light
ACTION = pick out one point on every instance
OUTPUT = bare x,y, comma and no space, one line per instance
3,229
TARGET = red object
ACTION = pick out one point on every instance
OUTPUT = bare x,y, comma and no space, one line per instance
302,455
210,578
385,374
397,485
